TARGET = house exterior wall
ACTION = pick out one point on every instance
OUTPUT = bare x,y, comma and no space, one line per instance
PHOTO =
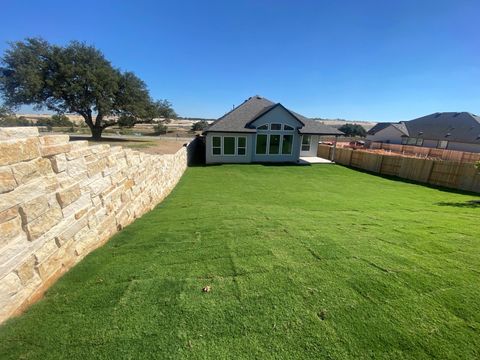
238,159
314,140
452,145
278,115
389,135
463,147
430,143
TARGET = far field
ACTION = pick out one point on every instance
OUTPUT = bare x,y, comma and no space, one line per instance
150,144
303,262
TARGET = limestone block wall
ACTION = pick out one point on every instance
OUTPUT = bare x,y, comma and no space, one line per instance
59,200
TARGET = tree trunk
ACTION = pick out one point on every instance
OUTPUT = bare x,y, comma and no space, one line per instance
96,133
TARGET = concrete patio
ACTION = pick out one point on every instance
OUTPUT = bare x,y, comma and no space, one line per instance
313,160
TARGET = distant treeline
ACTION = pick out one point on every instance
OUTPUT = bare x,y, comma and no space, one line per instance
194,118
56,120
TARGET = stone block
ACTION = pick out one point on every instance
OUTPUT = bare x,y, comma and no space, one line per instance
77,151
31,170
26,271
100,185
55,149
9,214
46,250
32,209
59,163
81,213
44,223
8,133
9,286
96,166
10,229
50,266
50,140
86,241
14,151
7,180
76,167
71,230
79,145
82,202
67,196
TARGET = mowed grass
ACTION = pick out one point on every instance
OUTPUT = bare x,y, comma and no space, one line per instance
303,262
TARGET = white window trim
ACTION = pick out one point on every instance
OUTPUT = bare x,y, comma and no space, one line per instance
309,144
281,144
277,132
439,142
240,147
221,147
235,145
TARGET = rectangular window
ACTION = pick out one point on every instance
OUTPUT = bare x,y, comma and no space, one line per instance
411,141
275,126
228,145
287,144
274,147
404,140
216,145
442,144
419,142
306,143
261,147
241,145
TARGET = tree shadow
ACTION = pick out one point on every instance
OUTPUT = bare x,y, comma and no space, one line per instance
472,204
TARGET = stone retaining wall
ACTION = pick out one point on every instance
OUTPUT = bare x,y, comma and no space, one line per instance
59,200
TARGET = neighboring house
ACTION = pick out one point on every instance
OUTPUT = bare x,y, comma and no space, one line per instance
261,131
448,130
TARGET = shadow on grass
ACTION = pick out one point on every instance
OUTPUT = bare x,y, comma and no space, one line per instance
462,204
408,181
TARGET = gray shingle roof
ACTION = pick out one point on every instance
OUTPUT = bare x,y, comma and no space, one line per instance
239,118
401,127
452,126
378,127
316,127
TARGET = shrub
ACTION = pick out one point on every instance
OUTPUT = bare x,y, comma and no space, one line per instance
58,120
200,125
160,129
12,120
477,166
353,130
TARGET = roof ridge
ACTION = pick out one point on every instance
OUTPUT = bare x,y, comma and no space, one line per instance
475,117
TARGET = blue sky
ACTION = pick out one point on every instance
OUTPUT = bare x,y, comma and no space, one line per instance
361,60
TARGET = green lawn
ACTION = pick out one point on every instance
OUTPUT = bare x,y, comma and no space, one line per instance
304,262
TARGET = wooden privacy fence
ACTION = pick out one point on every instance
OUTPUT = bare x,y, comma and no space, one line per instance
451,174
426,152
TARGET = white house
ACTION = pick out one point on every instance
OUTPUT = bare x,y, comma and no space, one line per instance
259,130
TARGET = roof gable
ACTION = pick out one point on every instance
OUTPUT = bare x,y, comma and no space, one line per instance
266,110
241,118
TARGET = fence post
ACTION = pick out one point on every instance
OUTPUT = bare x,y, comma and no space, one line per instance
334,148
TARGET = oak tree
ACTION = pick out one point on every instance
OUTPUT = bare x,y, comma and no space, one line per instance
76,78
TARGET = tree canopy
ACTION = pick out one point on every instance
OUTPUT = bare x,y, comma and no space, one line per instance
200,125
353,130
76,78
